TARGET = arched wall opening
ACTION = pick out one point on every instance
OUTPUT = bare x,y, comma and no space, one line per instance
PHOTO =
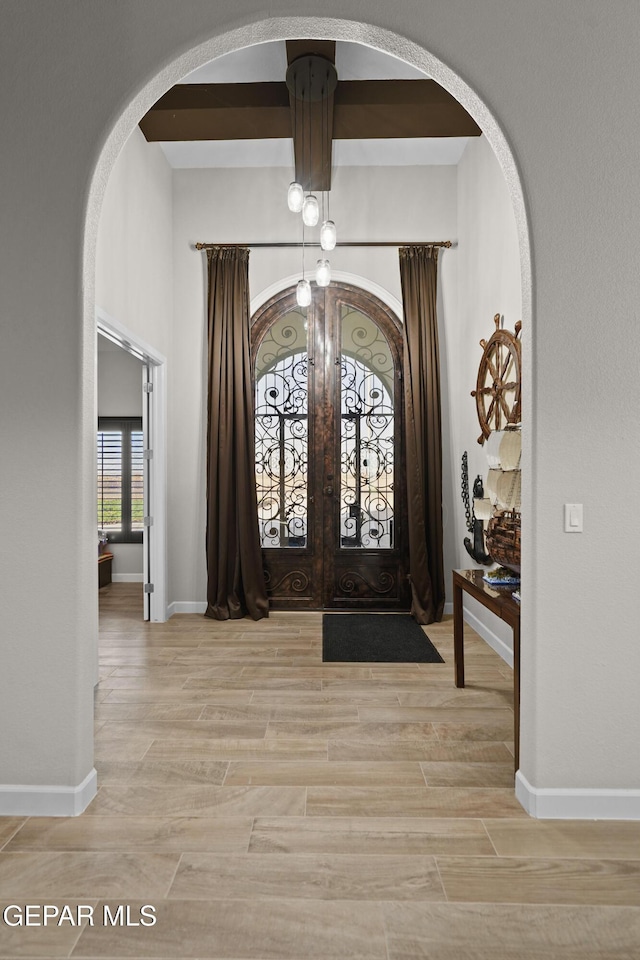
393,44
549,81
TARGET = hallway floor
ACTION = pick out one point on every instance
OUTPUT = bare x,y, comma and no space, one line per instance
272,807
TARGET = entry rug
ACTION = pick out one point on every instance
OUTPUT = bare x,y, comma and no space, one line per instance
375,638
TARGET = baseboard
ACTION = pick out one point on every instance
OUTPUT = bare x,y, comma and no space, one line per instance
186,606
25,800
199,606
559,803
127,577
489,637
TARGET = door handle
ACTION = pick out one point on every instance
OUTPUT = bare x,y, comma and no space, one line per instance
328,490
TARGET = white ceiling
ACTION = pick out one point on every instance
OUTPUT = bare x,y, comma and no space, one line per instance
267,62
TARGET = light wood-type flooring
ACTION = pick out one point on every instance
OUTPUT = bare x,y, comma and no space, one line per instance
272,807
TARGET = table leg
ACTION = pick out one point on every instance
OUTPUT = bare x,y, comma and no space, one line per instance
516,693
458,635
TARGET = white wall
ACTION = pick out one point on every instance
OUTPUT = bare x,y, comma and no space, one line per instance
489,283
119,382
386,203
120,395
545,76
134,258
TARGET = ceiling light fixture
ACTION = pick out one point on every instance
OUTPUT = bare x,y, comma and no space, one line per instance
295,197
323,273
310,210
311,81
328,236
303,293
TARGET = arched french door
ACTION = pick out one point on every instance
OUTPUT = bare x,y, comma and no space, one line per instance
330,471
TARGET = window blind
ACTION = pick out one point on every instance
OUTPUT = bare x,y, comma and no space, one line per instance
120,472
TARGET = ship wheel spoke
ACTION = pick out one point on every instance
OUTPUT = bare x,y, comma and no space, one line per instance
507,364
505,407
493,371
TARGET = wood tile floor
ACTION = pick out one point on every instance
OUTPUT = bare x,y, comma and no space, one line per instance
272,807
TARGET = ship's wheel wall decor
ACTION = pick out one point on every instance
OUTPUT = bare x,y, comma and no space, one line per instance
497,392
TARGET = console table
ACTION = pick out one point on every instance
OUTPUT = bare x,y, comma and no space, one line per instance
104,569
499,601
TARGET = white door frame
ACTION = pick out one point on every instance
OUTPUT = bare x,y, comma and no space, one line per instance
157,506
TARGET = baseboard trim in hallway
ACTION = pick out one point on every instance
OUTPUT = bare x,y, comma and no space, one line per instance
40,800
186,606
550,803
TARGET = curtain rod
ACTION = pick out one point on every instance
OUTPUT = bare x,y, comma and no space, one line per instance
343,243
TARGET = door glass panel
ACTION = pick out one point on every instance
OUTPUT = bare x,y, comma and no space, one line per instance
366,434
282,433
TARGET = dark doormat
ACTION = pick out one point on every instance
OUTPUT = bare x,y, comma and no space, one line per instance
375,638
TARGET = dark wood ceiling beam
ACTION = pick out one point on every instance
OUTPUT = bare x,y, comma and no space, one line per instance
220,111
371,109
364,109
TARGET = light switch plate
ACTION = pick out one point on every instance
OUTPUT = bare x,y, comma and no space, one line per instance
573,519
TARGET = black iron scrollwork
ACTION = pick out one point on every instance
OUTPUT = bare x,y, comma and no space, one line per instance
281,437
367,453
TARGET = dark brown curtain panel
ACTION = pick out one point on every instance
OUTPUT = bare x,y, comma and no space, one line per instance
419,276
236,585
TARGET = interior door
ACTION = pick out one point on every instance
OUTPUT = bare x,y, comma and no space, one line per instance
147,470
329,451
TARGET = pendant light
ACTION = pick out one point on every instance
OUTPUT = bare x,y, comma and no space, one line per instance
323,273
328,235
303,293
310,210
295,197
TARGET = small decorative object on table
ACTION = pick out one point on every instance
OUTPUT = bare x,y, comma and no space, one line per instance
501,577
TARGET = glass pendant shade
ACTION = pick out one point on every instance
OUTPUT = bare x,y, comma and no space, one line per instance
310,210
303,293
295,197
323,273
328,235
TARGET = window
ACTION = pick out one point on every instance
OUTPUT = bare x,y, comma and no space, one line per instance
120,478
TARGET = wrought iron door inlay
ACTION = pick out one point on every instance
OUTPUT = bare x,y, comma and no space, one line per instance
367,435
282,433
